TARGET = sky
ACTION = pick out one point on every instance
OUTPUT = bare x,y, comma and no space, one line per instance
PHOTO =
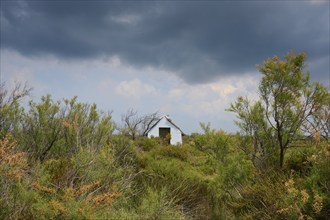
185,59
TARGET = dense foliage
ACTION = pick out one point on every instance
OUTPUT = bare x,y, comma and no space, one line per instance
287,100
61,160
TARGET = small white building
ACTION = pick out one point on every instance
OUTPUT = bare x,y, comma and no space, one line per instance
165,126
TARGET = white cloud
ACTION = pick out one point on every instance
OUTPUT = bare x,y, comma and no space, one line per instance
223,90
212,98
126,19
135,89
113,85
115,61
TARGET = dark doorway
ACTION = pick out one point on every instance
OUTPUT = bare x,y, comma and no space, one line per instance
164,133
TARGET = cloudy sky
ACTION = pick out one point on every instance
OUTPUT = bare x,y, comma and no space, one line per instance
188,59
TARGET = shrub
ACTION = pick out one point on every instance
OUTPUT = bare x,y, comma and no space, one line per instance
297,159
147,144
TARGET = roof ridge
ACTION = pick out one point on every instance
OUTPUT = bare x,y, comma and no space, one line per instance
169,120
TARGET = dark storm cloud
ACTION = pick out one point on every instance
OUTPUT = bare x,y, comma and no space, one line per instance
200,41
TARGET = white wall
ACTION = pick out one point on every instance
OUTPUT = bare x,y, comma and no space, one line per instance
176,136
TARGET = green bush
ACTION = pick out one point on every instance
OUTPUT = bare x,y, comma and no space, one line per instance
297,159
147,144
68,165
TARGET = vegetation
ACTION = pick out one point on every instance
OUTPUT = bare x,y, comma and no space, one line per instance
135,125
287,100
61,159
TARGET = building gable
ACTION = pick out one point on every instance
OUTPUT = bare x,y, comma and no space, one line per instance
165,124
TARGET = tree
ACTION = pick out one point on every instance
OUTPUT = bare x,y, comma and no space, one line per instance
63,127
42,126
10,109
319,121
135,125
256,139
85,125
287,99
